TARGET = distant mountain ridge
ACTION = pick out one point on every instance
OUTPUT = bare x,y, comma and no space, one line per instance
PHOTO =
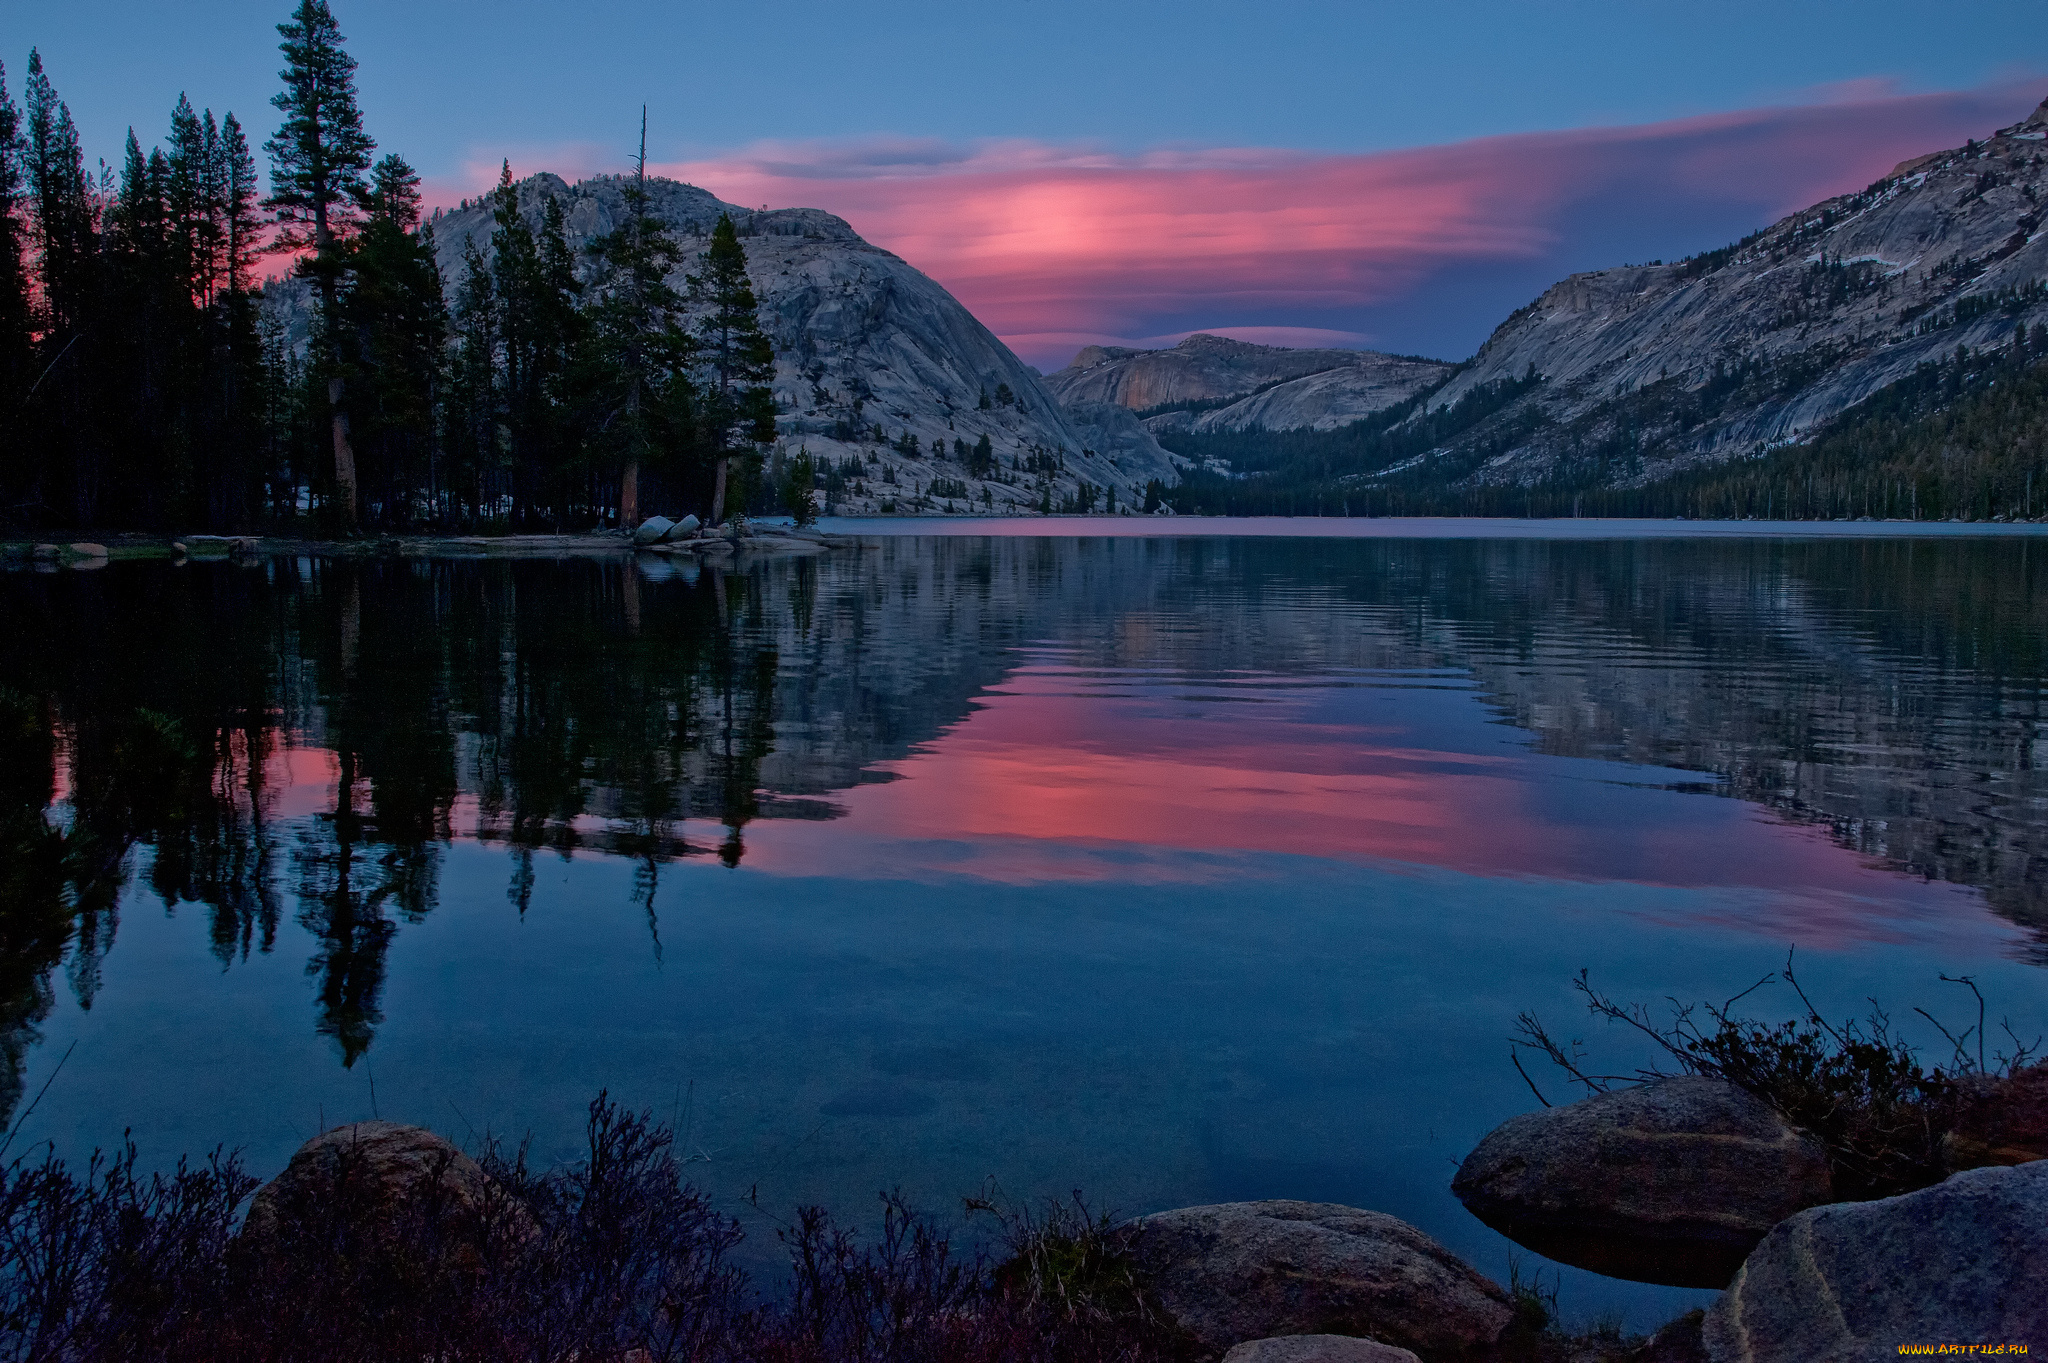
1651,370
1213,383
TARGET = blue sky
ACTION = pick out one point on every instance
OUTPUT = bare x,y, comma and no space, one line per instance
457,85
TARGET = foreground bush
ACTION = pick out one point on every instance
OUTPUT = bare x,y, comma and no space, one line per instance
613,1258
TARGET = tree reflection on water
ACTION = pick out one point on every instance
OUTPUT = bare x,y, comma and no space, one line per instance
524,704
320,731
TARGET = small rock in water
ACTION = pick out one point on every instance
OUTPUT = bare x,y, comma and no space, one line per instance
375,1166
653,530
1673,1182
1317,1349
1242,1271
1964,1262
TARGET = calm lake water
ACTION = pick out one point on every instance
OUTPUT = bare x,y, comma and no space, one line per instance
1174,870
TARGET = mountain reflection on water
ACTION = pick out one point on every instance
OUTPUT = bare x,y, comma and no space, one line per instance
307,741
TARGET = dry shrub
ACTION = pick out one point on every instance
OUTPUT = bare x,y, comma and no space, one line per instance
612,1260
1861,1091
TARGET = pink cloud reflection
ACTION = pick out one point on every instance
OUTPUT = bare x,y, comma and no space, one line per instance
1041,787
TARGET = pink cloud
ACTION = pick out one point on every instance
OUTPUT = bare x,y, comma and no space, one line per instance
1058,246
1054,245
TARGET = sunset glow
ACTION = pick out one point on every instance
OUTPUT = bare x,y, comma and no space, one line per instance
1055,247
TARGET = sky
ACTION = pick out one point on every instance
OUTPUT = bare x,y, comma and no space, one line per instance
1398,176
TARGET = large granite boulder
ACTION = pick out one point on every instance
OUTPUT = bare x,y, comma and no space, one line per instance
1964,1262
653,530
1673,1182
1317,1349
1251,1270
369,1172
2000,1121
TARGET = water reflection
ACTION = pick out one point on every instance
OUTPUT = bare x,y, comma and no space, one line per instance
306,740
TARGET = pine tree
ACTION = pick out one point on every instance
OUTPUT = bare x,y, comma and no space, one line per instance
535,287
739,407
470,419
241,233
636,368
187,196
16,339
13,269
63,199
389,345
70,428
799,488
318,159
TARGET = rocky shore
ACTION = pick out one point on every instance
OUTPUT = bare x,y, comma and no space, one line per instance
89,554
1686,1180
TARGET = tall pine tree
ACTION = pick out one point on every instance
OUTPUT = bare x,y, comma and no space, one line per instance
69,425
394,325
638,359
539,327
318,160
738,405
16,337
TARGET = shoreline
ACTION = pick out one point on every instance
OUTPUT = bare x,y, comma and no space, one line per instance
87,550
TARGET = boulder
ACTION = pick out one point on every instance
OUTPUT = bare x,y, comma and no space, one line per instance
1964,1262
86,549
684,528
1252,1270
653,530
2000,1121
1673,1182
1677,1342
374,1167
1317,1349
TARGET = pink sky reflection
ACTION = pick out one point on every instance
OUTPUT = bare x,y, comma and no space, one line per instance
1043,787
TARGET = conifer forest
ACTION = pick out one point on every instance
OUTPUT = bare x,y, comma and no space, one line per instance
144,386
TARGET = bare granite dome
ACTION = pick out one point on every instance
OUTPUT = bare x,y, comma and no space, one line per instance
863,339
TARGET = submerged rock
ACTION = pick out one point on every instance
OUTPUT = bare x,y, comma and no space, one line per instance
1242,1271
1963,1262
372,1168
1673,1182
1317,1349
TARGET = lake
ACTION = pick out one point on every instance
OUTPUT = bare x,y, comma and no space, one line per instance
1173,868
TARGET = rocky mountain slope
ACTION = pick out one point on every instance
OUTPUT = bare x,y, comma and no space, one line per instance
871,355
1647,370
1211,383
